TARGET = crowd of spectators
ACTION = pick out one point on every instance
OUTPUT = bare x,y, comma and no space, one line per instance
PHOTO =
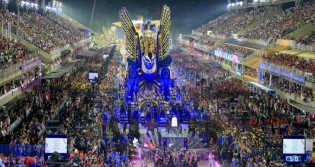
205,42
31,112
237,50
45,32
75,32
217,22
294,89
242,20
13,54
9,86
282,24
291,61
266,113
236,20
81,79
308,39
252,72
55,101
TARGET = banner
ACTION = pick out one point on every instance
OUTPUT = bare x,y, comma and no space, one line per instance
31,65
283,73
32,84
298,78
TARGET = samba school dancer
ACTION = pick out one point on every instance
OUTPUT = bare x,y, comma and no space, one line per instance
158,158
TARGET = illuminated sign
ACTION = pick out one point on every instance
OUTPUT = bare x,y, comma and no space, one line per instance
227,56
293,149
294,159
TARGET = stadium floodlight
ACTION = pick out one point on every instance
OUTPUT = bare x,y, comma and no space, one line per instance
27,4
22,4
48,8
241,3
233,4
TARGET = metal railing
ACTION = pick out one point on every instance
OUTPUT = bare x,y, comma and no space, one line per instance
59,50
296,45
303,47
217,36
16,67
196,33
10,70
22,150
254,41
308,76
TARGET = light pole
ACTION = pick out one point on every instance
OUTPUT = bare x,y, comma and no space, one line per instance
34,7
54,7
43,5
92,16
18,19
5,4
27,5
22,4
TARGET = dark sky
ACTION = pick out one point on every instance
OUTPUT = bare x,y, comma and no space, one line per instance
186,14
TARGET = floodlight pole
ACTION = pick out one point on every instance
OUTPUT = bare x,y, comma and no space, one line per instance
18,17
91,21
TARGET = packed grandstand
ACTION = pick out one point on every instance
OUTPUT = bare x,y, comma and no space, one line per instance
247,75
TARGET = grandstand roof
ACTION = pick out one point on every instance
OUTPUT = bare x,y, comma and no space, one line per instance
275,2
54,75
253,63
65,68
300,53
233,41
88,53
278,48
301,106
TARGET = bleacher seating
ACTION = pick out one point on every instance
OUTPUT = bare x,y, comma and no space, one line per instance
282,24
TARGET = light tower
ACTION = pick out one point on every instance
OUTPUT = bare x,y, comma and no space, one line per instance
228,5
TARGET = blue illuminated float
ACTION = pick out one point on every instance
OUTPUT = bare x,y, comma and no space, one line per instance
148,79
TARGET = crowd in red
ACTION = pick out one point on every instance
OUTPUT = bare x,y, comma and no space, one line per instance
291,61
237,50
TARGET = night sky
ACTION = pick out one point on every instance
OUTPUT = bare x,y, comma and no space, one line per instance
186,14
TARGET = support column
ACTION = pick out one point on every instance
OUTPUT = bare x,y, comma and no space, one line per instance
18,19
245,3
301,92
270,79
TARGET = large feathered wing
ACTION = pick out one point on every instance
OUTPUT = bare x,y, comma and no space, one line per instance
132,37
164,32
